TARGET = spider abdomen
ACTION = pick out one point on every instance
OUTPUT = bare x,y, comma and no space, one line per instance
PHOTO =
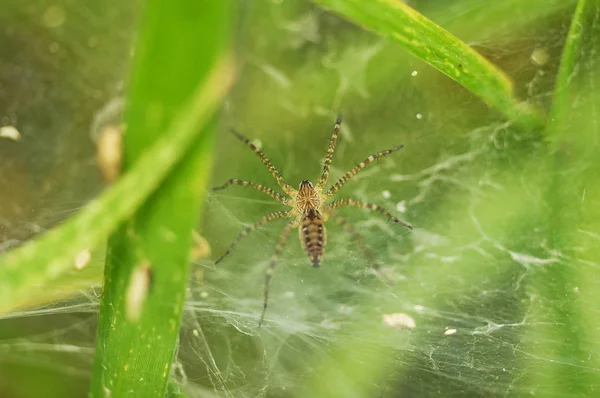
312,235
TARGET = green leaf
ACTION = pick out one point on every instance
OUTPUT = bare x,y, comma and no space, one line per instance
571,104
564,288
488,20
395,20
146,272
41,261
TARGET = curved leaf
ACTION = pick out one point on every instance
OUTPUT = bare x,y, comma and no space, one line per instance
440,49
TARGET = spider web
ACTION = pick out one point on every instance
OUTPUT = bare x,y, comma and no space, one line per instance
473,276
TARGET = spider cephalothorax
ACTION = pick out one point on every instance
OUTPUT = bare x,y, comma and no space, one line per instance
307,197
308,212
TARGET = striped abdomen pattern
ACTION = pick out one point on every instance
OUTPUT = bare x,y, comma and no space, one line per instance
312,235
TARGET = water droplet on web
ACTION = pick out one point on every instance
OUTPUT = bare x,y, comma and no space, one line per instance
449,332
386,194
540,56
401,206
257,143
419,116
414,73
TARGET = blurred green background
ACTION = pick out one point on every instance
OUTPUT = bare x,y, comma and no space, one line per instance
500,274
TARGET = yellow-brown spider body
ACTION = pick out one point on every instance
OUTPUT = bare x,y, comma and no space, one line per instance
308,212
311,222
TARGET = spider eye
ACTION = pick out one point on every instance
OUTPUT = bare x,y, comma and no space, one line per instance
305,183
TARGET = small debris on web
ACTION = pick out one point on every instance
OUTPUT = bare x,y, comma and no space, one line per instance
386,194
414,73
109,152
449,332
137,291
399,321
198,274
10,132
83,259
200,248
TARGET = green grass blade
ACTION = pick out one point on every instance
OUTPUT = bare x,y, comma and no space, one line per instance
575,74
440,49
41,261
566,289
146,272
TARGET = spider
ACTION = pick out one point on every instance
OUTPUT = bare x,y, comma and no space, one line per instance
308,212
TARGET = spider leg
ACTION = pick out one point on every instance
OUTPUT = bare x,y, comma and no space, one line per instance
269,273
261,188
329,157
349,228
274,172
370,206
340,183
269,217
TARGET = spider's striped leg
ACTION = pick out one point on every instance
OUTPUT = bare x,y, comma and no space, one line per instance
349,228
261,188
274,172
269,217
329,157
370,206
271,269
344,179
